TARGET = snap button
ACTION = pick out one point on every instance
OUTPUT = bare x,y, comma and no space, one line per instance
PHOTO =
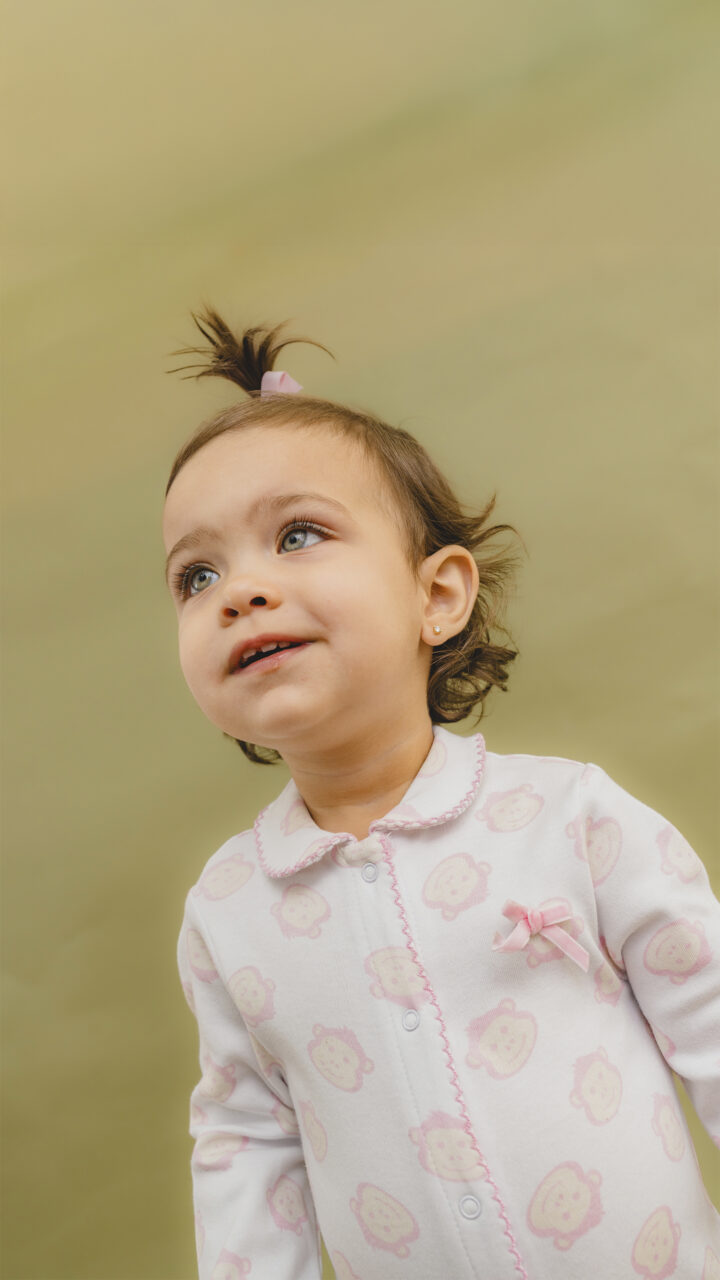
411,1019
369,872
470,1207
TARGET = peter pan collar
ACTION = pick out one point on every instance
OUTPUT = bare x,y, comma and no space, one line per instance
287,839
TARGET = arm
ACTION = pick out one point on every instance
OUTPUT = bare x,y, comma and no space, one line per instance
253,1207
661,924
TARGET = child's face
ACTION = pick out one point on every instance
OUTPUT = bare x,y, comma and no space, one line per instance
345,590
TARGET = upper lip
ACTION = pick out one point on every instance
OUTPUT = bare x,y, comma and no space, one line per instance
257,642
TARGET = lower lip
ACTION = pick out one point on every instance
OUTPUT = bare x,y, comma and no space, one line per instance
273,660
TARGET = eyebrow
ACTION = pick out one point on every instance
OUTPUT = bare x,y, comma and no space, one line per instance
275,502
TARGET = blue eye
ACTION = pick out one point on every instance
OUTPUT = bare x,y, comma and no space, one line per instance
299,530
196,579
193,579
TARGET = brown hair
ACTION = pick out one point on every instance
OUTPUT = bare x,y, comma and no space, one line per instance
464,668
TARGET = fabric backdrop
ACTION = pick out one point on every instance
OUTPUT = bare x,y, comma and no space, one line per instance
504,222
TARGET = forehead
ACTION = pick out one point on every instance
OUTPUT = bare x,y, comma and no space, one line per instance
236,469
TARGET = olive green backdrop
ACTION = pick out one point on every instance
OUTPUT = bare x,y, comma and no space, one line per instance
504,221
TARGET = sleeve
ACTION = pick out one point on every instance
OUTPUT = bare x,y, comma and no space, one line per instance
661,924
253,1207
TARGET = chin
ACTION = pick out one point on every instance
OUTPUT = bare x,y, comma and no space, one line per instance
297,729
246,733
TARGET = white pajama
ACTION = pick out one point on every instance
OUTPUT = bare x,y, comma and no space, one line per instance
446,1085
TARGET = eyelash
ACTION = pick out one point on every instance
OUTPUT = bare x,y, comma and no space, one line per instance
181,577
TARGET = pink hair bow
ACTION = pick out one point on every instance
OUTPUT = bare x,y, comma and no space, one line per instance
533,920
275,381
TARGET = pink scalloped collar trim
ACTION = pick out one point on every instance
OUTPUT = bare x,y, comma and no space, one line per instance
281,854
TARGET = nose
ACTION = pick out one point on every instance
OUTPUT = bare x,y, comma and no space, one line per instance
242,593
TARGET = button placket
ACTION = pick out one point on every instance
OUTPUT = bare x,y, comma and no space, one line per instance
429,1071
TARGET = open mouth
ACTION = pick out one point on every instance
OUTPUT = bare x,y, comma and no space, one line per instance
272,655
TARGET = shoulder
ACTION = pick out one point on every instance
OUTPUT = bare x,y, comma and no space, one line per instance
583,787
516,788
227,868
520,769
557,777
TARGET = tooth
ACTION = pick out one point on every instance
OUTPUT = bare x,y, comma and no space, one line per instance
266,648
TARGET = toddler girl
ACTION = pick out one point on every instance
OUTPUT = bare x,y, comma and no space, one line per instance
440,991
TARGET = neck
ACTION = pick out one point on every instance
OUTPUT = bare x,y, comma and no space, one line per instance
361,783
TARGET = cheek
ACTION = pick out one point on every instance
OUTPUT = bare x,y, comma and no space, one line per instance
384,582
190,652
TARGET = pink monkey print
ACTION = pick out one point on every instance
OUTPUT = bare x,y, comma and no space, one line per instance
397,977
384,1221
667,1126
301,912
615,961
597,1087
189,995
566,1204
502,1040
677,951
666,1046
343,1270
269,1065
608,983
599,843
309,854
296,817
217,1150
406,813
314,1130
711,1269
286,1118
435,761
677,857
511,810
224,878
456,883
199,1233
230,1267
338,1055
197,1114
199,957
286,1204
445,1149
252,994
217,1082
655,1250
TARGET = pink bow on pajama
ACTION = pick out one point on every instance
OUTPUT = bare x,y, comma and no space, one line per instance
532,920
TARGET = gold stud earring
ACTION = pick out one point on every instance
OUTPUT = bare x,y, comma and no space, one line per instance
437,630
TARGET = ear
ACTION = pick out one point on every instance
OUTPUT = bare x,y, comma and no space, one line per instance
450,581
